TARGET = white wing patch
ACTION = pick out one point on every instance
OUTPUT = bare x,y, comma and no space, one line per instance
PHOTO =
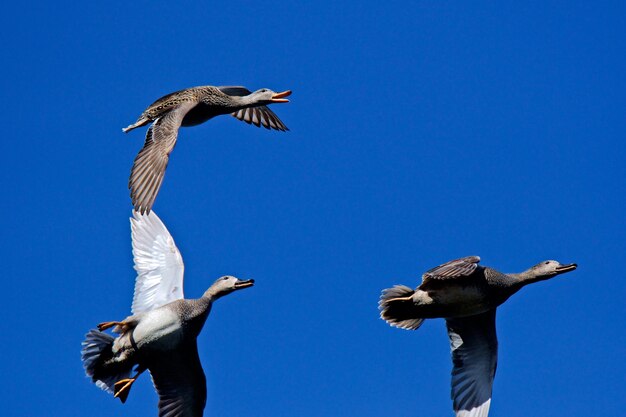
158,263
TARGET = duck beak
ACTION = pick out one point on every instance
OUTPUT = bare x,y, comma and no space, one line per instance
244,284
278,97
565,268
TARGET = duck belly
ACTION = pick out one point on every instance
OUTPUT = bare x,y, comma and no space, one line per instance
460,301
201,113
159,330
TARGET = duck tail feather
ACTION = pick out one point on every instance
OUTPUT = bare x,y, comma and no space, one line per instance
397,308
97,349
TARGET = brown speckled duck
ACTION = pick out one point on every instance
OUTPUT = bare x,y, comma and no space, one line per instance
191,107
466,295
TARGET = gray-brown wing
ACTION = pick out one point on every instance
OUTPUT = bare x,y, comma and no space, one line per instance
148,169
474,348
180,383
258,116
454,269
261,116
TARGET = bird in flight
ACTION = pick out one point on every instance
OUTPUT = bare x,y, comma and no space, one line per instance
466,295
160,335
190,107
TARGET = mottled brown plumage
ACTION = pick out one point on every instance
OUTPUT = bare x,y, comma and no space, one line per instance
191,107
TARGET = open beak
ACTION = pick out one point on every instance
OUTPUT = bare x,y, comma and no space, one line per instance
565,268
244,284
278,97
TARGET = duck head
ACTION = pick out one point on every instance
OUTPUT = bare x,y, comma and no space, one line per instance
267,96
552,268
227,284
548,269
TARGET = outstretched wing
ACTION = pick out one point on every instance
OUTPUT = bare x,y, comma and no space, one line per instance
257,116
454,269
148,169
158,263
474,347
180,383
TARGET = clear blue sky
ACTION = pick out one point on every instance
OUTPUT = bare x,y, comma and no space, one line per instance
420,132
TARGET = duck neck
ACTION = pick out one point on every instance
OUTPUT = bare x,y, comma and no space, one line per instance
242,102
528,277
209,295
203,304
196,315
